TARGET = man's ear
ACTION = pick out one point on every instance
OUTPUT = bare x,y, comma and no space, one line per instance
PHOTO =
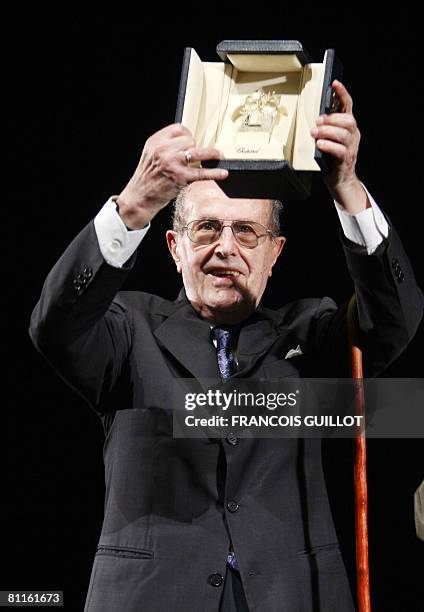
171,241
279,242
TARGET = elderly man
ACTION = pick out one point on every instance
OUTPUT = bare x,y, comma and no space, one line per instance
214,524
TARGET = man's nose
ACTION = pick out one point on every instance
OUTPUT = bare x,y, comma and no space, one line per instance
227,244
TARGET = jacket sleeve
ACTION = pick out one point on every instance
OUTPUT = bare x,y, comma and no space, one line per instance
79,324
389,304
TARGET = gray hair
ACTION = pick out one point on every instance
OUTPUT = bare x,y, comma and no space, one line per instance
179,218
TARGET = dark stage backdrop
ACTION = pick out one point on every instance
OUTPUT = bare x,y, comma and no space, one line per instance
83,96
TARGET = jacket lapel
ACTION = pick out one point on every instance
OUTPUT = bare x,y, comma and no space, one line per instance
188,338
257,335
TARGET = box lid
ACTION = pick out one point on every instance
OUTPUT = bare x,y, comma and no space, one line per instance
262,47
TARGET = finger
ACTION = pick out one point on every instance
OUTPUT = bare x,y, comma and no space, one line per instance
330,132
171,151
203,153
183,149
343,120
178,144
205,174
167,135
174,130
343,95
333,148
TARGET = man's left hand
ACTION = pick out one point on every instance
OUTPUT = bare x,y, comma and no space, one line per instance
338,135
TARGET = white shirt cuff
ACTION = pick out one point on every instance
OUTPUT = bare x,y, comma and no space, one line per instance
116,242
367,228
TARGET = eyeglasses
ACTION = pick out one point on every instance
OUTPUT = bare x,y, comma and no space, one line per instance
207,231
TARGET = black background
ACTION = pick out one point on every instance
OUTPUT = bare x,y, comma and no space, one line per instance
82,96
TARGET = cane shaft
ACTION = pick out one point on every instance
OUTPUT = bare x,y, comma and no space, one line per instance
360,470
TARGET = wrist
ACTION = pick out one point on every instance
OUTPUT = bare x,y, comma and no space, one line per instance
351,196
134,218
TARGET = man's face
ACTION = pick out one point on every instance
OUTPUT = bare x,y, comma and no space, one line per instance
224,281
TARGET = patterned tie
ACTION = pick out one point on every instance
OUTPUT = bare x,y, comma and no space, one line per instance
226,360
227,366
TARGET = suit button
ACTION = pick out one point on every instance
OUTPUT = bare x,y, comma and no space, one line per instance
232,506
400,276
87,272
216,580
395,263
232,439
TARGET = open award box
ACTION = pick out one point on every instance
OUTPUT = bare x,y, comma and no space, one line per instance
258,106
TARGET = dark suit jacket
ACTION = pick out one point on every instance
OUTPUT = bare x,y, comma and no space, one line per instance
167,528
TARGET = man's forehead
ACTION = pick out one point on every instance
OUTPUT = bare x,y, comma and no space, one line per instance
206,199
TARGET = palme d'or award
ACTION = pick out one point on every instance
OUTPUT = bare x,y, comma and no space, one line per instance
260,113
258,106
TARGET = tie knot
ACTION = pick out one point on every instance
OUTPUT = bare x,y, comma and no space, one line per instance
223,337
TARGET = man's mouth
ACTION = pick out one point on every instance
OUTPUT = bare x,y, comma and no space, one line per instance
223,273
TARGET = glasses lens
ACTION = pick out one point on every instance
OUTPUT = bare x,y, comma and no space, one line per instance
204,231
247,234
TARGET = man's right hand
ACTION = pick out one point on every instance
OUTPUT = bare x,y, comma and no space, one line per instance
162,171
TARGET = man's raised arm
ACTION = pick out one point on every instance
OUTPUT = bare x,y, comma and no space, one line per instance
80,324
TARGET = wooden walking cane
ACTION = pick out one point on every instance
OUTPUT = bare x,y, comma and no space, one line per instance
360,466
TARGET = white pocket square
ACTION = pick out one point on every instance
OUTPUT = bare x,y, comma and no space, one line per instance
294,352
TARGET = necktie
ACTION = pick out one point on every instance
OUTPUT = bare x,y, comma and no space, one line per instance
226,360
227,366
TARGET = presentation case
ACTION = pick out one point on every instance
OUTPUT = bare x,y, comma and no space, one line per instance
258,105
